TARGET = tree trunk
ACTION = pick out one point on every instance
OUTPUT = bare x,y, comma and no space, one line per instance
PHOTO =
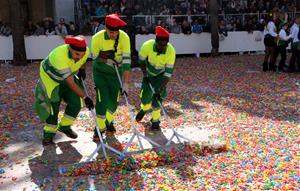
17,24
213,11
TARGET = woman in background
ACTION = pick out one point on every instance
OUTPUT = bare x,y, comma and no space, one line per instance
270,36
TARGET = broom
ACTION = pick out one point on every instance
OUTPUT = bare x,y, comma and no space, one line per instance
145,158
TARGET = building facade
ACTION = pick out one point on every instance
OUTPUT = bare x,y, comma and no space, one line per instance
36,10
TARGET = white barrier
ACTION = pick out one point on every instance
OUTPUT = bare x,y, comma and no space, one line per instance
38,47
6,48
201,43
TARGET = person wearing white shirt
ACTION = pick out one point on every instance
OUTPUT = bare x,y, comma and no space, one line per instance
282,45
61,30
270,44
295,46
97,26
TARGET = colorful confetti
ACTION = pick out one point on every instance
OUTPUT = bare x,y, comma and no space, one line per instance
257,114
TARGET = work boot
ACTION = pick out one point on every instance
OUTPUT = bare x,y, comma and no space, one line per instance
155,126
67,131
140,115
47,141
96,137
110,127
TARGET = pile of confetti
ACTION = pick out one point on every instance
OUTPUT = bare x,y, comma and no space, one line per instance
256,112
149,158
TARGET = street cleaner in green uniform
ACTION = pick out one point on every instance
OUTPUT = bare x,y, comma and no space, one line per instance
156,59
60,74
109,46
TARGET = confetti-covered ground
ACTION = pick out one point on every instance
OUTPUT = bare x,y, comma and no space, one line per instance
257,113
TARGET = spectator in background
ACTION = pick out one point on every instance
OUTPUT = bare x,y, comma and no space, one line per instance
223,31
61,30
186,27
129,9
232,6
86,10
114,8
237,26
175,28
280,18
249,26
87,29
5,29
243,4
143,30
62,22
48,27
150,28
165,10
260,6
137,8
100,11
261,25
51,22
73,29
203,6
39,29
97,26
282,45
295,33
270,43
196,27
165,25
30,28
229,26
122,5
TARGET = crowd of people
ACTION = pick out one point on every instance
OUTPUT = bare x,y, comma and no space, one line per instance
185,7
278,35
177,16
182,16
48,27
5,29
254,6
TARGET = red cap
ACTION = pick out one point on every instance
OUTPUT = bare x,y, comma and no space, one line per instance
77,41
161,32
113,21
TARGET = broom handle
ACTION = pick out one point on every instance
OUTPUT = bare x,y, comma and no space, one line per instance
95,120
116,64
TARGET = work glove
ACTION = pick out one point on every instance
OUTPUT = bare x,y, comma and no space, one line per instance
109,54
163,85
88,103
81,74
146,79
157,96
110,61
124,89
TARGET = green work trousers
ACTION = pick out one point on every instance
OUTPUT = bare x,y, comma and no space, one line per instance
74,104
